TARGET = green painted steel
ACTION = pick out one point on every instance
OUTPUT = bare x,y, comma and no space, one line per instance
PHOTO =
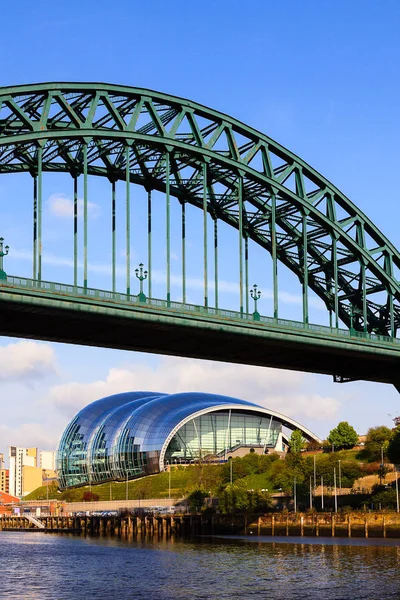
149,244
65,313
35,228
113,238
183,230
39,212
75,229
85,215
205,248
216,261
168,222
3,252
238,175
128,221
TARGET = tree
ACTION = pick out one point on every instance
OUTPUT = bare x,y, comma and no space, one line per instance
282,474
343,436
385,499
394,447
196,500
377,439
235,498
313,445
296,441
350,471
239,467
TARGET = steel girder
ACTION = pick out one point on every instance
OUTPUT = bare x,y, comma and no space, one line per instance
252,183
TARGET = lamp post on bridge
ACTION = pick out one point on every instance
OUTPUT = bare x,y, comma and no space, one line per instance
142,276
255,294
3,253
354,311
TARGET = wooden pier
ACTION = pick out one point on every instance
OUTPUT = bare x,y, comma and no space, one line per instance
377,525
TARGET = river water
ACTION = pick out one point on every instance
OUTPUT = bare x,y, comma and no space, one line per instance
42,566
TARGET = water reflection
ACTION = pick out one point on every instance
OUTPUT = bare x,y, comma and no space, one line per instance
39,566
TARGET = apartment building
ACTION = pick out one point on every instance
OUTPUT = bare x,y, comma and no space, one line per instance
24,474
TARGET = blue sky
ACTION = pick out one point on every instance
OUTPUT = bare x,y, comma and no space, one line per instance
321,77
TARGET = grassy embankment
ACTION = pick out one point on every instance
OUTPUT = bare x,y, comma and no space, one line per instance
183,480
249,473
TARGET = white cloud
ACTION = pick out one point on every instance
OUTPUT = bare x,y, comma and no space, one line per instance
62,206
283,391
44,436
27,361
62,261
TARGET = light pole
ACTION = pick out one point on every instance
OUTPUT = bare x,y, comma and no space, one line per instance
231,470
340,480
310,495
334,485
295,495
141,275
47,489
381,469
397,489
169,478
315,473
255,294
127,487
322,493
3,253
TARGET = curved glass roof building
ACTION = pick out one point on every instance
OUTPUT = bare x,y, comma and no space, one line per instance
138,433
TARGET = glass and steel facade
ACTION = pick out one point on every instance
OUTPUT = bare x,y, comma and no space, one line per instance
137,433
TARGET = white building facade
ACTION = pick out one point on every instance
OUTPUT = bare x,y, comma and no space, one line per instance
47,460
19,458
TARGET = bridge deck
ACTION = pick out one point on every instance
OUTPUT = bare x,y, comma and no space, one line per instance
63,313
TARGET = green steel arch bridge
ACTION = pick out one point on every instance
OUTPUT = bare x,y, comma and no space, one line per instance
236,177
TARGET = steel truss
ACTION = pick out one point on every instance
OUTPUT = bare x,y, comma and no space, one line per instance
218,164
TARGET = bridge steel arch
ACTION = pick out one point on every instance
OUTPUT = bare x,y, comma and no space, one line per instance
227,169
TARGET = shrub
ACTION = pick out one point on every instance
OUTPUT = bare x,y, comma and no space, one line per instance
90,497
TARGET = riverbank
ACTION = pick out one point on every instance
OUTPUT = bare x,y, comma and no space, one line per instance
354,524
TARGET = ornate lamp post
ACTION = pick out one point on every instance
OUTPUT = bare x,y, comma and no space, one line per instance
141,275
354,312
3,253
255,294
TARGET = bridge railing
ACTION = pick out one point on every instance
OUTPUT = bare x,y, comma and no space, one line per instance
93,293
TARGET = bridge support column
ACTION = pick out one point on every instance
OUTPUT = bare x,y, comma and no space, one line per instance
85,216
149,245
34,227
183,251
274,255
75,230
305,270
216,260
128,220
168,223
39,214
205,234
240,207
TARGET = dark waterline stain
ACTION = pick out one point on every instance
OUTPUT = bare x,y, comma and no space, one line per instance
314,541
